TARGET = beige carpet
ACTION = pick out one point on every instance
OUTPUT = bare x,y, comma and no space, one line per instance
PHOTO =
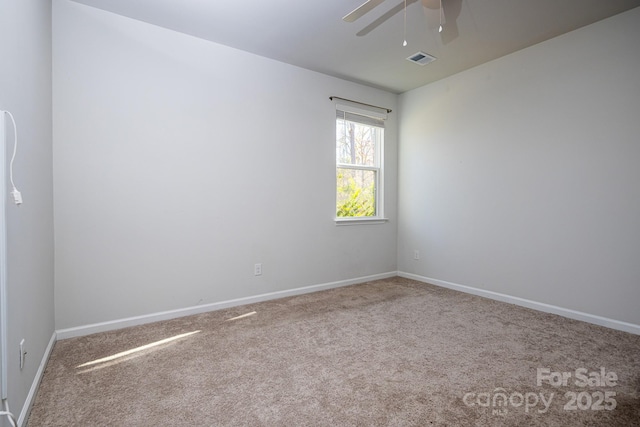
386,353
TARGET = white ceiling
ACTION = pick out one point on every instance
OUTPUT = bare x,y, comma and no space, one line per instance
312,35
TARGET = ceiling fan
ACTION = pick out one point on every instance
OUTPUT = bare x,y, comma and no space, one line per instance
441,14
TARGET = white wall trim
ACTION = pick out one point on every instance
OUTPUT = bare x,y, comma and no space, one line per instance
181,312
547,308
28,403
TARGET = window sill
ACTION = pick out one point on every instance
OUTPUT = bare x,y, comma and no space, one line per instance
361,221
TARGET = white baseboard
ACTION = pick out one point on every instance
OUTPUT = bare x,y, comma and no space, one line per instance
547,308
172,314
31,396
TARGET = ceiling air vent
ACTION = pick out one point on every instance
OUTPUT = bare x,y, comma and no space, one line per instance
421,58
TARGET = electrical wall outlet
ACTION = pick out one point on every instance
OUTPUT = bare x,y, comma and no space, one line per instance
257,269
416,254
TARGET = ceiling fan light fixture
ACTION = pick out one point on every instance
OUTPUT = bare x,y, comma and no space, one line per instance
421,58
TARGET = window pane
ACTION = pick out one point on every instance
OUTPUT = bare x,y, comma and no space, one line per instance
356,195
356,143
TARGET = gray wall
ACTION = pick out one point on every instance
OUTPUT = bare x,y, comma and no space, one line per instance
521,176
25,90
180,163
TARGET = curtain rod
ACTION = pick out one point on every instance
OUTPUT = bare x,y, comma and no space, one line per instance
361,103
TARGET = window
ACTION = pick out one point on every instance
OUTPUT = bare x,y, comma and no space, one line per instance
359,164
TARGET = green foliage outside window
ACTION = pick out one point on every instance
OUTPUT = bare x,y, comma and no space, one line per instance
354,200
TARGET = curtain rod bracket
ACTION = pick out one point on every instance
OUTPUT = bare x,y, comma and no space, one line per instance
388,110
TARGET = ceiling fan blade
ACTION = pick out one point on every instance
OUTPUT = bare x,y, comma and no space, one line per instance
447,17
431,4
433,18
361,10
375,24
449,32
451,11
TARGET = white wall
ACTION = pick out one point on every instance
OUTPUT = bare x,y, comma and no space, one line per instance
179,163
522,176
25,90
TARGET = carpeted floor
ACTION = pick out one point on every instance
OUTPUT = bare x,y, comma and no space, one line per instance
392,352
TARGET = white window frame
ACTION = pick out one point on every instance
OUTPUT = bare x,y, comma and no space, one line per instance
378,169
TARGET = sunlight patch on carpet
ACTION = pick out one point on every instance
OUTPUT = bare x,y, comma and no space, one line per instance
242,316
136,350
